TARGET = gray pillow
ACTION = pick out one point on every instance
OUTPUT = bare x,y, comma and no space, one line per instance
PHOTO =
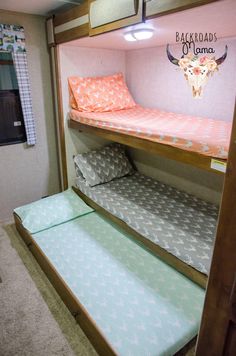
103,165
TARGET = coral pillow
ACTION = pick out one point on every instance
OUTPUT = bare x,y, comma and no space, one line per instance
99,94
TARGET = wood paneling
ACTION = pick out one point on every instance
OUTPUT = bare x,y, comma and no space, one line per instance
71,14
155,8
174,153
220,303
188,271
72,34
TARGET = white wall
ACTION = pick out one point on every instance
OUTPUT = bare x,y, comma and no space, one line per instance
27,174
84,62
156,83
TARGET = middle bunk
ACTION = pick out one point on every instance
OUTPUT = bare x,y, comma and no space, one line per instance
175,225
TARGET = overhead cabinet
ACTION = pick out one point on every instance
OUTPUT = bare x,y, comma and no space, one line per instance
108,15
94,17
154,8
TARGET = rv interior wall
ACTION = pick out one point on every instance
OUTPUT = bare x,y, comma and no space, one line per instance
27,174
76,61
151,86
159,83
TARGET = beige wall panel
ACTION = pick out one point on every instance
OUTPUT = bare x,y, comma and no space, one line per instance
202,184
28,173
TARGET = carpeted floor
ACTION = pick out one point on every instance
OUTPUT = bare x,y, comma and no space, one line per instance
33,319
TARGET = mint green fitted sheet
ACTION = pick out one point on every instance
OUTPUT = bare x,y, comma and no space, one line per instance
143,306
51,211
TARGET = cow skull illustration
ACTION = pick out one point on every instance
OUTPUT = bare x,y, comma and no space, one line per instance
197,69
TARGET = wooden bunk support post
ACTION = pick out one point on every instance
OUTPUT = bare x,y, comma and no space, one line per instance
218,328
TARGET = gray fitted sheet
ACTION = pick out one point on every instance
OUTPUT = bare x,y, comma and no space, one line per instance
178,222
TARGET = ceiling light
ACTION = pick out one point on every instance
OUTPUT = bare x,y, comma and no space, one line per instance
139,34
129,37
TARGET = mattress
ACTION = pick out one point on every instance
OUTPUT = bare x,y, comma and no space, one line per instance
51,211
202,135
180,223
141,305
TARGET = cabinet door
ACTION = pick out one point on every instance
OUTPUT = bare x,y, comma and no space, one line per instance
108,15
155,8
217,334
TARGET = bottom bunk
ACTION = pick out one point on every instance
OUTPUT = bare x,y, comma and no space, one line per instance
177,226
127,300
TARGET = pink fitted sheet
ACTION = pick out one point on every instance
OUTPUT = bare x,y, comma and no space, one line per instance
205,136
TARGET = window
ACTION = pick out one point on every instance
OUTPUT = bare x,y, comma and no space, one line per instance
12,129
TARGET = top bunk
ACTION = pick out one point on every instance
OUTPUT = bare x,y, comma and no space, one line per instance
199,141
169,122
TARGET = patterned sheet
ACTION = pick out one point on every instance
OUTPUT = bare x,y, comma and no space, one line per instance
53,210
178,222
206,136
142,306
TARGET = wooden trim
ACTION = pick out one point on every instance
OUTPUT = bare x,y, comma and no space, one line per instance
72,34
220,299
186,348
61,123
165,7
188,271
50,31
174,153
75,32
6,62
88,325
55,109
71,14
128,21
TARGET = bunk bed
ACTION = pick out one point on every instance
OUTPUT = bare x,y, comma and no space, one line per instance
74,24
94,265
198,141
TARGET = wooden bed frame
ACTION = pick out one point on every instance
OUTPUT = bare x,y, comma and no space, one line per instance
174,153
88,325
188,271
217,334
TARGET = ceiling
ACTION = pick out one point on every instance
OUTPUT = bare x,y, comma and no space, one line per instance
219,17
37,7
